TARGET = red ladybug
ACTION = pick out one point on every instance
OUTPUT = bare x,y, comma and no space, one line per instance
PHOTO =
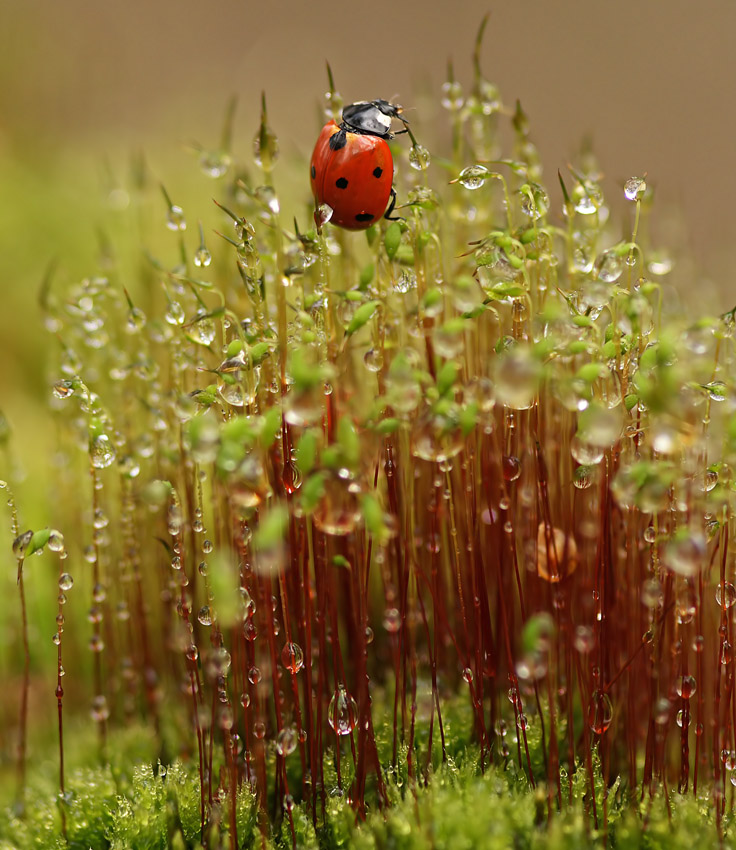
352,169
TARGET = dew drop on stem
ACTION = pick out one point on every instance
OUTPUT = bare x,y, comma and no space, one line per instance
342,713
473,177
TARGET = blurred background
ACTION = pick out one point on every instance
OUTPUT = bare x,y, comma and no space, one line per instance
87,84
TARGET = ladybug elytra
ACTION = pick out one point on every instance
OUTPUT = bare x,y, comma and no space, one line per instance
352,169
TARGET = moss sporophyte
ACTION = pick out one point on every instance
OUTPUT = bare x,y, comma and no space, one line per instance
382,537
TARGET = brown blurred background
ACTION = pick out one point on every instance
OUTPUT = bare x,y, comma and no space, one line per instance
651,80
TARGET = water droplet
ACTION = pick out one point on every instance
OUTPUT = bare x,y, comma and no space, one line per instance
214,164
99,710
452,95
175,313
342,713
583,476
511,468
600,712
292,657
55,541
685,686
473,177
136,320
203,330
587,198
609,266
63,389
322,215
96,644
65,582
448,341
585,453
725,594
232,393
102,451
419,158
406,281
202,257
286,741
685,554
659,263
373,359
517,376
392,620
685,606
205,615
534,202
584,640
255,675
175,218
265,147
557,557
634,188
652,594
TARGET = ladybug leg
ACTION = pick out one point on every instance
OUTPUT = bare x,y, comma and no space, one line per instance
387,215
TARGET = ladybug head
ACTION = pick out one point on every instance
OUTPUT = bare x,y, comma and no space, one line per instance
371,118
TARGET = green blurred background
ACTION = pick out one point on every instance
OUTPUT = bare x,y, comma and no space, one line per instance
86,83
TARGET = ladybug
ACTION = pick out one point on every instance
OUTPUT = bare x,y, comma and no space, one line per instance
352,169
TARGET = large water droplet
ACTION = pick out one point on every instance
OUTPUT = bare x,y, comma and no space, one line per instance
685,686
101,451
685,554
419,157
634,188
517,377
342,713
292,657
609,266
175,313
473,177
725,594
534,202
55,541
557,553
205,615
63,389
286,741
203,330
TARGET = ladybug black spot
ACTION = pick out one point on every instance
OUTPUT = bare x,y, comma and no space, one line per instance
338,140
314,172
341,183
377,171
364,217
